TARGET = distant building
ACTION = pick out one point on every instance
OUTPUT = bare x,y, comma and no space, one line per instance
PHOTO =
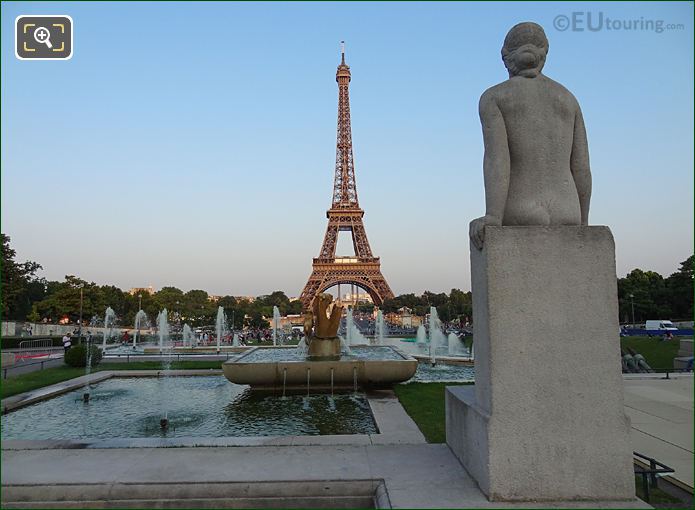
141,290
288,321
353,298
214,298
404,318
250,299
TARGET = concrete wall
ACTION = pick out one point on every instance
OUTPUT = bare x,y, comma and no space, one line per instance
8,328
12,328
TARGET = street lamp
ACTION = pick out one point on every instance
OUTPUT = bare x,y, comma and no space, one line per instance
139,302
79,330
632,302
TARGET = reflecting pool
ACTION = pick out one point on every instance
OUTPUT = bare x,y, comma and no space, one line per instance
202,406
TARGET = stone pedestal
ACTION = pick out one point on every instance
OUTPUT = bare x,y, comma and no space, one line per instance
545,418
324,348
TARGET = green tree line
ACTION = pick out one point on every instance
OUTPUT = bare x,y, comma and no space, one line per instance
456,305
656,297
24,296
27,297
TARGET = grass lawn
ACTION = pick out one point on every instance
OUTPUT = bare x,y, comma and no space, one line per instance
41,378
38,379
424,402
657,353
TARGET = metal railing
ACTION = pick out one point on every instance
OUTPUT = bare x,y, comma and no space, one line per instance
35,348
668,371
665,371
649,476
23,366
35,344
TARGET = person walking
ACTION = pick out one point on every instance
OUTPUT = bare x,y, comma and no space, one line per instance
67,342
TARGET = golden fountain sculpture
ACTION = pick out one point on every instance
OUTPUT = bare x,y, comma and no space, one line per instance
322,367
323,341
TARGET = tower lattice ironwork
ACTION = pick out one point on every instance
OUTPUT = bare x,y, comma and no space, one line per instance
364,269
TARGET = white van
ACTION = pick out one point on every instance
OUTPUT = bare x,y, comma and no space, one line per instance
659,326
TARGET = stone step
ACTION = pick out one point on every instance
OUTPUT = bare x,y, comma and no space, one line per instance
294,494
268,502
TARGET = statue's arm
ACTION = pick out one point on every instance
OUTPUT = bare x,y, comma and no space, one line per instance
496,167
579,165
496,159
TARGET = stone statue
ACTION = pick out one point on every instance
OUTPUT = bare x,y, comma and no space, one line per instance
323,342
536,163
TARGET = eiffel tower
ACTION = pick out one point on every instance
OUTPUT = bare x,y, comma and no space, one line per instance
364,269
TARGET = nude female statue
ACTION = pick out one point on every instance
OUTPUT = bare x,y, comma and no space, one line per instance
536,163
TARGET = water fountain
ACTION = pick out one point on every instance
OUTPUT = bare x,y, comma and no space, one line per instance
276,324
163,332
324,362
353,336
381,329
88,369
235,341
344,347
140,320
455,345
421,337
437,337
302,347
221,326
162,329
187,336
109,319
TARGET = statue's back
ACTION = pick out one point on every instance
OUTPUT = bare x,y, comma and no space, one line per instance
539,116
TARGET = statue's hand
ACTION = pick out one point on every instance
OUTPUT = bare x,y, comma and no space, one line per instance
476,230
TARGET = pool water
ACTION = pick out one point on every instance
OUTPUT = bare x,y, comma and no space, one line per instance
203,406
411,347
357,352
443,373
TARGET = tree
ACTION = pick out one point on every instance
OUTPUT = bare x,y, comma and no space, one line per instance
295,307
648,296
456,305
17,292
256,320
365,307
169,298
461,304
277,298
679,288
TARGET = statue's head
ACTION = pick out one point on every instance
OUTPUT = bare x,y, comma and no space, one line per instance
525,49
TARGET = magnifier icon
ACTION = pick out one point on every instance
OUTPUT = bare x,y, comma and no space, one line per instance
43,36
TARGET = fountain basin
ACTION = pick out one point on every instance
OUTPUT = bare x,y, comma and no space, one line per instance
366,366
198,349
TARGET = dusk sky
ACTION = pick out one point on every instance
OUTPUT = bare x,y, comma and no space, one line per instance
193,144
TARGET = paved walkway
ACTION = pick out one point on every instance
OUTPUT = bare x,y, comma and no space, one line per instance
661,411
415,475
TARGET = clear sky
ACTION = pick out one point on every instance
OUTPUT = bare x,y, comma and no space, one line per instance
193,144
